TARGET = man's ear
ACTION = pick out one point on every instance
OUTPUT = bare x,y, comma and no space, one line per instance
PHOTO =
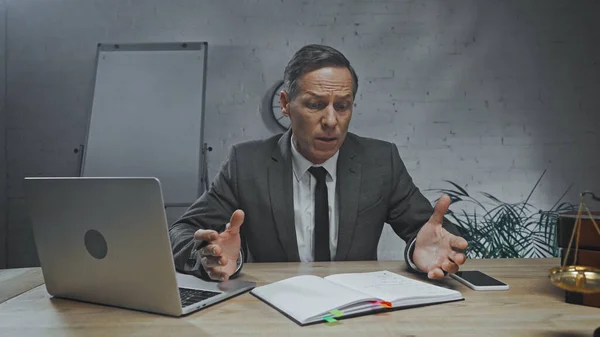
284,101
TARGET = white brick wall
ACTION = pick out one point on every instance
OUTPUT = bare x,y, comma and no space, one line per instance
488,94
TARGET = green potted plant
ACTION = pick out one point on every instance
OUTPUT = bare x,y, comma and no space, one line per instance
500,229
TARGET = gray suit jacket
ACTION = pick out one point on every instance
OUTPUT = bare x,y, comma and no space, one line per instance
373,188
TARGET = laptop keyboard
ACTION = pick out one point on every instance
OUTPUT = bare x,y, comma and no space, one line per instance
191,296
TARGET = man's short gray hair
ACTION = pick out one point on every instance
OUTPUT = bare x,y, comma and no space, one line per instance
313,57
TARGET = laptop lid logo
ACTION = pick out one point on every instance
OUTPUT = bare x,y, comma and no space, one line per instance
95,244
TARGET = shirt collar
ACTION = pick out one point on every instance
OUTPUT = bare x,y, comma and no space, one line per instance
301,164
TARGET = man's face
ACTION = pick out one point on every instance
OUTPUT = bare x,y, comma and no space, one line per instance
320,112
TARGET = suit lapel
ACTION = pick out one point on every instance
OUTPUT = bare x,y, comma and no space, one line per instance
348,189
282,197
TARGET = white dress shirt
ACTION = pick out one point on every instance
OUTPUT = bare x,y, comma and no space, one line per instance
304,204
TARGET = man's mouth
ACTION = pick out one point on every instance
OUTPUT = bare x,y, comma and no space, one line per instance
327,139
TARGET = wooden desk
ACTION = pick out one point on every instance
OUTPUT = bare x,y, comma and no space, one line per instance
17,281
532,307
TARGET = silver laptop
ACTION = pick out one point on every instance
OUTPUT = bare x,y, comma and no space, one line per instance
105,240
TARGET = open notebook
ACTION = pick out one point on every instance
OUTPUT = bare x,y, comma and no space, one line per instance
310,299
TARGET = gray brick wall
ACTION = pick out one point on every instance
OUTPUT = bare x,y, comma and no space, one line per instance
3,198
488,94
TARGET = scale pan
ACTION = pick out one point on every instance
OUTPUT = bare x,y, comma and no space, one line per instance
580,279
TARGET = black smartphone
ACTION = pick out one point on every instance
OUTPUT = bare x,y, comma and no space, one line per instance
477,280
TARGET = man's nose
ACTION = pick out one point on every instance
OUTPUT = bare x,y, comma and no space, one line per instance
330,118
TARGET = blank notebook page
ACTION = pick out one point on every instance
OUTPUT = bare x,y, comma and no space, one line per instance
389,286
306,296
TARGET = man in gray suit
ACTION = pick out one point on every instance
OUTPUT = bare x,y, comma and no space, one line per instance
315,192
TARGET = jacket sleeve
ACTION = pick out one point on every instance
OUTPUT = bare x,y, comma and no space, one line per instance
409,210
212,210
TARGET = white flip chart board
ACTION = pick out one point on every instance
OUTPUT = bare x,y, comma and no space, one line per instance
147,116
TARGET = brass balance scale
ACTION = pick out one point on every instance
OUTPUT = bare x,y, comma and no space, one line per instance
574,278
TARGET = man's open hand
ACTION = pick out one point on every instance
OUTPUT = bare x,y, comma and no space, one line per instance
435,247
219,257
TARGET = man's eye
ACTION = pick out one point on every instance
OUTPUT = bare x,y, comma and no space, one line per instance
314,106
341,107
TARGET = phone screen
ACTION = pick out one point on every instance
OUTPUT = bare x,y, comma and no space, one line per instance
478,278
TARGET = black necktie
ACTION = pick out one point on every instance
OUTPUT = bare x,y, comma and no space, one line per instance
321,237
